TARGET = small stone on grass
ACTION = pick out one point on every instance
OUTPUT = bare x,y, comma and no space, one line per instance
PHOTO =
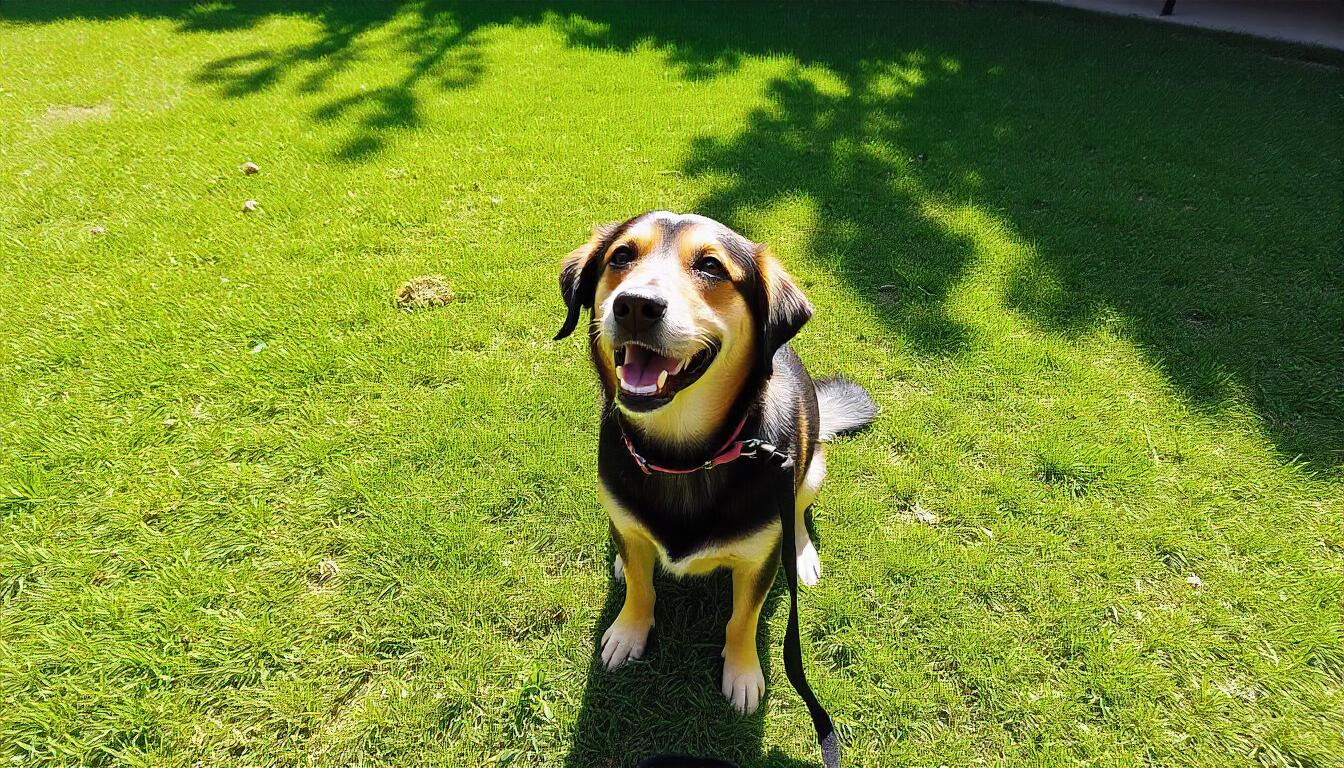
250,168
1194,581
98,229
424,292
249,206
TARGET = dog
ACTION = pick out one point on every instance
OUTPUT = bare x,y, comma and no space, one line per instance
688,332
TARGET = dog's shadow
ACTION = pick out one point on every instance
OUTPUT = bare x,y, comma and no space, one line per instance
668,702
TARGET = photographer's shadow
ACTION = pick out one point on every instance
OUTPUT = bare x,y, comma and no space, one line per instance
668,701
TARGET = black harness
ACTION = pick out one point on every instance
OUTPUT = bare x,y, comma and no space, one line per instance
827,738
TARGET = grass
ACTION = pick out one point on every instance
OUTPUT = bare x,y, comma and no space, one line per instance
254,514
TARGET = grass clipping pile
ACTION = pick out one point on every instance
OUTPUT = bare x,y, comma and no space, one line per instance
425,292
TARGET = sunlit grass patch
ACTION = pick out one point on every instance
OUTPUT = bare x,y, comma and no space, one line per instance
254,513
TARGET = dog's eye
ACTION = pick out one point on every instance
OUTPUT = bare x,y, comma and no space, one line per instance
710,266
622,255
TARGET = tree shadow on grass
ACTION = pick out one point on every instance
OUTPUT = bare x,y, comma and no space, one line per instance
1168,186
434,48
434,45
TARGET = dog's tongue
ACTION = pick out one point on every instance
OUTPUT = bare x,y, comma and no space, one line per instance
644,366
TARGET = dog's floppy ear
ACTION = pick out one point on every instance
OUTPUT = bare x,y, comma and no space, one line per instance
782,308
578,276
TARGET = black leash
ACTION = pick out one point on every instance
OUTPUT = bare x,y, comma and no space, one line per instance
793,649
827,738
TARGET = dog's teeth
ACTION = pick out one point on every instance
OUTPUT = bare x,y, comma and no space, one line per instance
662,379
620,373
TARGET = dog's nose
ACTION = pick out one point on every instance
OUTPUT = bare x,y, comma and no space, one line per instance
637,312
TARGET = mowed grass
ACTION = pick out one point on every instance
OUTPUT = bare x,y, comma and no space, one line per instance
253,514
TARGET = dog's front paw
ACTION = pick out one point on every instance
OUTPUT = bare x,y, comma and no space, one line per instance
624,640
743,684
809,564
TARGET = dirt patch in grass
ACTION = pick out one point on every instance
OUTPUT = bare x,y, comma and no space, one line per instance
66,114
424,292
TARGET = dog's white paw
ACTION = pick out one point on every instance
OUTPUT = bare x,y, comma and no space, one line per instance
618,570
624,640
809,564
743,685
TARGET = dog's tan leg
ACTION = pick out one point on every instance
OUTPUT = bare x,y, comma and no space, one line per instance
743,682
809,563
626,637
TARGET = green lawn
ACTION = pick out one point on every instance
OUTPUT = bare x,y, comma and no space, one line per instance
1089,267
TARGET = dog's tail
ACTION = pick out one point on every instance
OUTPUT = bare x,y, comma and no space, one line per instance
845,406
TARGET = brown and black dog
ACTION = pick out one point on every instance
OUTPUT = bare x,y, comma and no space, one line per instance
688,333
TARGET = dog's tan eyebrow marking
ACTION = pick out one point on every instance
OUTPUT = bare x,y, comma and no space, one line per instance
648,234
730,265
629,240
698,239
624,241
738,255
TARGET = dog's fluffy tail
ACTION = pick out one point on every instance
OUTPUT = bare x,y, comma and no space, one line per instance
845,406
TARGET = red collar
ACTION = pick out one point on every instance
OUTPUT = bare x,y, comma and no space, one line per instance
732,450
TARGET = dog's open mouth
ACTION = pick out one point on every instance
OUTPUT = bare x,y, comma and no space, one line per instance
649,378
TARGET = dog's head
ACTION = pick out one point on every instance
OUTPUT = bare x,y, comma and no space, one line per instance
684,312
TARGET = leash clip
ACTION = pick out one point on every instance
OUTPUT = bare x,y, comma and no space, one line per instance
760,448
750,447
